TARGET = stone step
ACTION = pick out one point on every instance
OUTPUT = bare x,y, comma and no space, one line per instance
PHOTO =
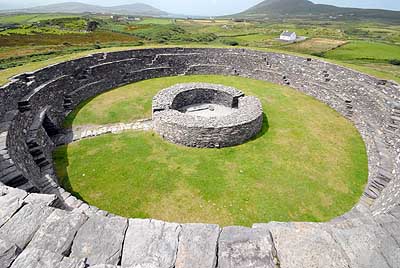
24,106
28,187
14,179
6,163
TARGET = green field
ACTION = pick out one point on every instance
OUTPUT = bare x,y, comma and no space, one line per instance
365,51
308,163
370,47
31,18
155,21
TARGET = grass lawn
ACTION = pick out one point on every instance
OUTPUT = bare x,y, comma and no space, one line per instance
365,51
30,18
155,21
315,45
309,163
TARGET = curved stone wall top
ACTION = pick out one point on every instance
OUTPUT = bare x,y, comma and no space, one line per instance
249,109
174,97
170,100
241,121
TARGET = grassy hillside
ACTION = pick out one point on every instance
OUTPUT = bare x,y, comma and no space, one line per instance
307,9
366,46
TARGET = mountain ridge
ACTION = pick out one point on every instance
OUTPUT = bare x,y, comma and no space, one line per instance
306,8
78,7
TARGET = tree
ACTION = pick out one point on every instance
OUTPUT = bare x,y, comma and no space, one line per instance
92,26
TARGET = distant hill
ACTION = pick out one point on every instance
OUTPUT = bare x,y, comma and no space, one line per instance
305,8
137,9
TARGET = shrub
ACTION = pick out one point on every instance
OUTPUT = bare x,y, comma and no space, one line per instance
160,33
394,62
92,26
197,37
230,42
318,54
97,45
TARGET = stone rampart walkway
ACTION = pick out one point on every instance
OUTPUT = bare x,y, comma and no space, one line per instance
88,131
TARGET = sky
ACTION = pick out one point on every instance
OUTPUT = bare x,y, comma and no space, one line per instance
201,7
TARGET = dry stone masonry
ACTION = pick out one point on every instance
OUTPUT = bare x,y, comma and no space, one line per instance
206,115
42,225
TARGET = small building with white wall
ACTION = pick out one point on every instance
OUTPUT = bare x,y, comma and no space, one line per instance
288,36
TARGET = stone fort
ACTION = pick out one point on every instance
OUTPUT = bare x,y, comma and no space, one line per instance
206,115
42,225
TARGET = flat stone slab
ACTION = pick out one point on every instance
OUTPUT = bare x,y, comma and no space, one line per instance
241,247
58,231
115,266
197,246
100,240
38,258
393,228
305,245
45,199
368,247
150,243
10,202
8,253
12,192
22,226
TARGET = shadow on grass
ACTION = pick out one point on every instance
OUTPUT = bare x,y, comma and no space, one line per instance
61,161
69,120
264,128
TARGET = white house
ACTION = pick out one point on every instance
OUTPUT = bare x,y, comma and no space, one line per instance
288,36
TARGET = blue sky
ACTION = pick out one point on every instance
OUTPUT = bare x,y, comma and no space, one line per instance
202,7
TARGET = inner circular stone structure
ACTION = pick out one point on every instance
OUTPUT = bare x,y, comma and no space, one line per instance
206,115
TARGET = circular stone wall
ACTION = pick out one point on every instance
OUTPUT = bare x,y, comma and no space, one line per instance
33,106
206,115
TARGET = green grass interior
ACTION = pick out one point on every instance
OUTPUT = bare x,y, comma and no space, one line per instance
308,164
